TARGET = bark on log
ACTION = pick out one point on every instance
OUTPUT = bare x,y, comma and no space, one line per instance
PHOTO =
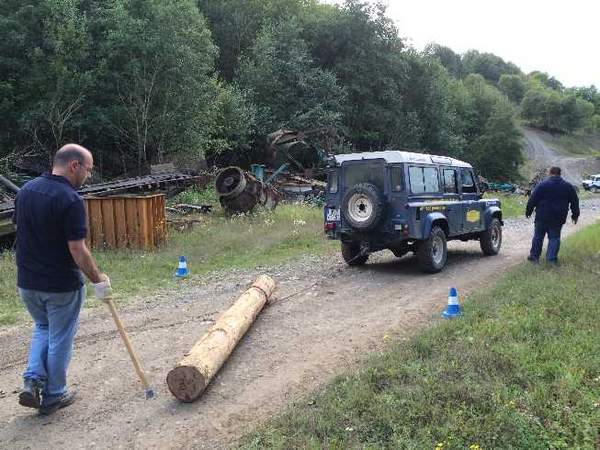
191,376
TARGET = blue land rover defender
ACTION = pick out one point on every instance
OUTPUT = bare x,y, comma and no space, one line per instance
407,202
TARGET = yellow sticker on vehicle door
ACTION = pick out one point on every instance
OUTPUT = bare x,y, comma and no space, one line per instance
473,215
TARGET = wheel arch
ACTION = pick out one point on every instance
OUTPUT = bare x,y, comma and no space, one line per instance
493,212
435,219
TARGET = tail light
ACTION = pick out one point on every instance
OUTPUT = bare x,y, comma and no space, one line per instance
329,226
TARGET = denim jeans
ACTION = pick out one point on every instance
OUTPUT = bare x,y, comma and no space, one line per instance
56,318
553,231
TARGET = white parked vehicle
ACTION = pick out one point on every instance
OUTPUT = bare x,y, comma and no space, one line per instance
592,184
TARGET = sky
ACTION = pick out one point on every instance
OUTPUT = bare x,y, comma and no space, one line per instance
561,38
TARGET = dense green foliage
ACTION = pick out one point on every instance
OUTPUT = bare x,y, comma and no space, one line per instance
140,82
521,369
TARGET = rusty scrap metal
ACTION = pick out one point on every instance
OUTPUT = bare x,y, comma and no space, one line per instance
166,181
240,191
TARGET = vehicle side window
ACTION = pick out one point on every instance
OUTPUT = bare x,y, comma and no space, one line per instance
432,182
396,178
468,183
423,179
332,178
450,184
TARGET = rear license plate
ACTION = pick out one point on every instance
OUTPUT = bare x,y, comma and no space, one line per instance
333,215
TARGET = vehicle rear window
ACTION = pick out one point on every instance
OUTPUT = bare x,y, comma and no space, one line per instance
423,179
364,172
396,178
450,184
332,180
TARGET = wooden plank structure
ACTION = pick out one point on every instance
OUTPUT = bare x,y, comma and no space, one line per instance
126,221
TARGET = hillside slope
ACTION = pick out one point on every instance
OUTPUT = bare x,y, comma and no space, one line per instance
576,155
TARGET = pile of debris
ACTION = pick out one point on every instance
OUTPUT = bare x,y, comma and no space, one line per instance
539,176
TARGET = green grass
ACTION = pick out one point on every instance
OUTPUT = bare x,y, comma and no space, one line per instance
521,369
218,242
513,205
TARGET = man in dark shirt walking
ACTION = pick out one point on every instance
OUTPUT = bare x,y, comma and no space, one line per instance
51,253
551,200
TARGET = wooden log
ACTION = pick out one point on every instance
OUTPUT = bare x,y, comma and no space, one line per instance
191,376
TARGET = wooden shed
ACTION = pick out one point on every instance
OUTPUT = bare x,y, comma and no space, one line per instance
126,221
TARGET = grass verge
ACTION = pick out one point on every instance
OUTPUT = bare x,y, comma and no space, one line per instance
218,242
521,369
513,205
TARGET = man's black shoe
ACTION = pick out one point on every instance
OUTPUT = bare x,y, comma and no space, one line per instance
30,394
65,400
533,260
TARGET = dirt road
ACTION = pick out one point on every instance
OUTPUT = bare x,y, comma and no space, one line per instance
326,317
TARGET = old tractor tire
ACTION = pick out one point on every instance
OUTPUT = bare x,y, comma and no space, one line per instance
490,239
433,252
351,254
363,206
230,182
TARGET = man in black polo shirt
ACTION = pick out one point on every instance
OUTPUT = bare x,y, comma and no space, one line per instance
51,251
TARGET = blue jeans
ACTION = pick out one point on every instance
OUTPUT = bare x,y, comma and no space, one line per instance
553,232
56,318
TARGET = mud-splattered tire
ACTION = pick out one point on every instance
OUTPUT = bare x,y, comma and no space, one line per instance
490,240
351,252
433,252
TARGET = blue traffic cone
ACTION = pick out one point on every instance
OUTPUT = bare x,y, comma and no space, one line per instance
182,270
453,309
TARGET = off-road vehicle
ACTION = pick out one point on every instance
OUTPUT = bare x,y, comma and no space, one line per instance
592,184
407,202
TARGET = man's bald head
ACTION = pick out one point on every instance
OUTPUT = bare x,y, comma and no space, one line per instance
70,152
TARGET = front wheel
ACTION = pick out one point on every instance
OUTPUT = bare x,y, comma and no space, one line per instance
491,239
351,252
595,189
433,252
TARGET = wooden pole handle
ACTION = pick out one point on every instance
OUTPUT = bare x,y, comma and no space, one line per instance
123,333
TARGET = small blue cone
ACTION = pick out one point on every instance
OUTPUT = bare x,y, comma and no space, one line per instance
182,270
453,309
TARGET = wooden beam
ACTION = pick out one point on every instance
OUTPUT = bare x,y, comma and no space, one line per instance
192,375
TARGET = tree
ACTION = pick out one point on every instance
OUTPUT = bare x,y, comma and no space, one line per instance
546,80
360,45
498,150
513,86
283,82
235,25
488,65
157,92
450,60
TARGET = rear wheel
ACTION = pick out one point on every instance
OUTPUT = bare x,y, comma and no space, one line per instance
351,253
433,252
491,239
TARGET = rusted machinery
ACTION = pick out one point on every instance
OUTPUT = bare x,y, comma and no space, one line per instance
240,191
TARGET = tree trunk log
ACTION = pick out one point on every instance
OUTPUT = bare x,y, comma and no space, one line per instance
191,376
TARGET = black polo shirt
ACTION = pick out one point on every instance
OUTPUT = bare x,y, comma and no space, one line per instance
48,214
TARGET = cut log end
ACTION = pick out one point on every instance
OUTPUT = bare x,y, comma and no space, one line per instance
186,383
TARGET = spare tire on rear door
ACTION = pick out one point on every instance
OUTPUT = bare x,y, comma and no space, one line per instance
363,206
